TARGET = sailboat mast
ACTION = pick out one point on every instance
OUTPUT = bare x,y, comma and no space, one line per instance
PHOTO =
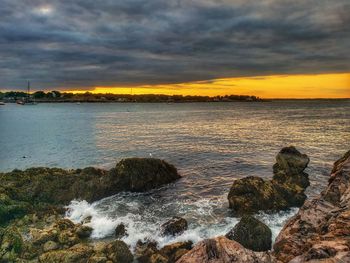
28,89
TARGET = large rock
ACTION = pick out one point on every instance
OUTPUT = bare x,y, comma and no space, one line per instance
222,250
21,191
321,229
175,226
286,189
143,174
252,234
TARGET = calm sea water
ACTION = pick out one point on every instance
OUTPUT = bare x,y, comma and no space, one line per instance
211,144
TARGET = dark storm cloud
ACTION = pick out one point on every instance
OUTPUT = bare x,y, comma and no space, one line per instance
84,43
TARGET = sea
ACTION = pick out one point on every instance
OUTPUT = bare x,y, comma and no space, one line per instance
211,144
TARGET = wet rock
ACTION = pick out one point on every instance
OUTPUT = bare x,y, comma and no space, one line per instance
286,189
145,250
221,249
120,231
321,229
174,226
117,251
158,258
83,231
252,234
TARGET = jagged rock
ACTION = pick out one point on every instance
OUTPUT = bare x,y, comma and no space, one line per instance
174,226
285,190
252,234
118,252
321,229
222,250
120,231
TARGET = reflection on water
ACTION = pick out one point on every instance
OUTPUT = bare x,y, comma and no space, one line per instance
210,143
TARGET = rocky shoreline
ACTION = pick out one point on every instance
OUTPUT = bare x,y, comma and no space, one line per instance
33,227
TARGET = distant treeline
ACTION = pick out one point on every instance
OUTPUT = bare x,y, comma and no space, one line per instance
57,96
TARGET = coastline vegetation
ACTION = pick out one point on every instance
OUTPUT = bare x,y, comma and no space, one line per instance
57,96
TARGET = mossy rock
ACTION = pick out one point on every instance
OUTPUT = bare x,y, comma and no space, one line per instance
11,209
252,234
79,253
11,245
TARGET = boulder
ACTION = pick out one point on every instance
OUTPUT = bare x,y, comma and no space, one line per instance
320,230
174,226
144,250
144,174
117,251
252,234
285,190
221,249
120,231
83,231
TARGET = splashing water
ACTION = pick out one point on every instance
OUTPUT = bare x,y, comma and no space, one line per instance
143,215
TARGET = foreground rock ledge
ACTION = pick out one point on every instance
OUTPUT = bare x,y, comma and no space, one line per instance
286,189
31,190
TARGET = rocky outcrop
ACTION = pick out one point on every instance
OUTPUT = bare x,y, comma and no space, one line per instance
321,228
223,250
174,226
286,189
252,234
35,188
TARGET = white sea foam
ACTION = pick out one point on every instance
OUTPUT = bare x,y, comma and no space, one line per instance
145,223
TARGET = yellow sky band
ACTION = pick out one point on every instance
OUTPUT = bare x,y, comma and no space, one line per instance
335,85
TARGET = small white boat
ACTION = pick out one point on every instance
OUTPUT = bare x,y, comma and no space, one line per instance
2,103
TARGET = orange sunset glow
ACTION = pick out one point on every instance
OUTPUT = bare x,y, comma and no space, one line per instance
335,85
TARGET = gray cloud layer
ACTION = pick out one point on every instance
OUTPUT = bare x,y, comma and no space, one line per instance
84,43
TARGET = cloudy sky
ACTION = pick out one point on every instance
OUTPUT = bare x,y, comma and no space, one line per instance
83,44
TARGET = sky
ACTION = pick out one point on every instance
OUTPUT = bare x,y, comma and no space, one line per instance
268,48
